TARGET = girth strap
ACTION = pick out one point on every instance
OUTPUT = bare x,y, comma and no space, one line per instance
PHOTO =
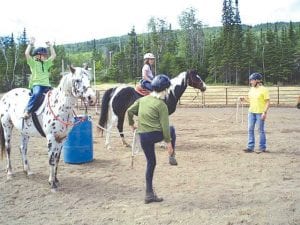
37,124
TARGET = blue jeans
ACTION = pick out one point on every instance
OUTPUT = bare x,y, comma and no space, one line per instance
148,141
254,118
36,97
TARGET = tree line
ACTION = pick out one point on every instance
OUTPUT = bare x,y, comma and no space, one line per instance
223,55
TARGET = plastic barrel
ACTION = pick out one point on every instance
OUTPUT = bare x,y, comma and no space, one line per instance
78,148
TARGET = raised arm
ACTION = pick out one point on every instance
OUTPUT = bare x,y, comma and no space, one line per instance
52,51
29,46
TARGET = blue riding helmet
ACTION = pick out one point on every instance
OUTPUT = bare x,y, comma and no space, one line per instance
40,51
255,76
160,83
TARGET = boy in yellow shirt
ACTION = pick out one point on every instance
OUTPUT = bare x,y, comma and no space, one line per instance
259,100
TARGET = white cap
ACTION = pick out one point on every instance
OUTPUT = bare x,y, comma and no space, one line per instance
149,56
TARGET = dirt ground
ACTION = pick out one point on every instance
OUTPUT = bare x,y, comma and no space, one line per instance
214,183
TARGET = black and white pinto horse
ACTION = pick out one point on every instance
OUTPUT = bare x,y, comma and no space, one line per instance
116,101
55,117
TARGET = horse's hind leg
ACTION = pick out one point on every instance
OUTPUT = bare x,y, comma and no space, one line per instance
7,130
23,150
110,123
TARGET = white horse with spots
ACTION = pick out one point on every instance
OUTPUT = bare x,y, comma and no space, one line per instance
55,117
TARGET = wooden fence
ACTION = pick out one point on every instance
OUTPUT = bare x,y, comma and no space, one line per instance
226,96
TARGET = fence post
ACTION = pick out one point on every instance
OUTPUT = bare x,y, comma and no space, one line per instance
277,95
226,95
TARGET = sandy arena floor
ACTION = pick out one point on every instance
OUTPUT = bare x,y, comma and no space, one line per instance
214,183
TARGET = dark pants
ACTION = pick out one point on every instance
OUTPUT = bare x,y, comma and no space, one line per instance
148,141
36,97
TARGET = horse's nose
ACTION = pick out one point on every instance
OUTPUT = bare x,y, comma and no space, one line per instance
92,101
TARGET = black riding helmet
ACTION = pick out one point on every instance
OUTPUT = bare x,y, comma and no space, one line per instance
255,76
40,51
160,83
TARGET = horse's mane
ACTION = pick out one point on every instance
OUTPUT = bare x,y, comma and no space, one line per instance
178,80
64,84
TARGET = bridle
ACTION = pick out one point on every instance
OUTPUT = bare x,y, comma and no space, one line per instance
192,81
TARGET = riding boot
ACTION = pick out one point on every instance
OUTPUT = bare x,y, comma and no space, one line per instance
152,197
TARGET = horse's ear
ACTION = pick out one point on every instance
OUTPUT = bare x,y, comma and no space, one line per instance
85,66
192,72
72,69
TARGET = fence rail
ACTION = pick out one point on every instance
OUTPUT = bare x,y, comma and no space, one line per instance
221,96
226,96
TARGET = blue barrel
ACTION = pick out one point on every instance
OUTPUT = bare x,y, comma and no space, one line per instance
78,148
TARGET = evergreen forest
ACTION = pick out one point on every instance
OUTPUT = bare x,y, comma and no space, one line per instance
222,55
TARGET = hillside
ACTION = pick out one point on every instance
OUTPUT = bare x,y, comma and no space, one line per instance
102,44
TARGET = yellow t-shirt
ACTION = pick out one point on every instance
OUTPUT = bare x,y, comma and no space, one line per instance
257,99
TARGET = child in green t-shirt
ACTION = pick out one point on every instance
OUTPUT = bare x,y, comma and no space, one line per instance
39,65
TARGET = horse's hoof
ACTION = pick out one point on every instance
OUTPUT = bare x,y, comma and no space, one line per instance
54,190
9,176
127,145
29,173
57,182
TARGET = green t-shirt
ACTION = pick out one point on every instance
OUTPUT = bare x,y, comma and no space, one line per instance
153,116
39,72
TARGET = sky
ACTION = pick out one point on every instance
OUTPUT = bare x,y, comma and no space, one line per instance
65,21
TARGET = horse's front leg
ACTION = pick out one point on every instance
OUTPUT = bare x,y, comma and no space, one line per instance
54,155
120,128
56,168
23,150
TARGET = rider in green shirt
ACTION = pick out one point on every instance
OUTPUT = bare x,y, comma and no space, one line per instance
39,80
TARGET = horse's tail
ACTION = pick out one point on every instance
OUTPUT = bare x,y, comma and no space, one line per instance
2,140
104,108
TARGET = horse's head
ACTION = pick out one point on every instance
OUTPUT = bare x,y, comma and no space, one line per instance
81,87
195,81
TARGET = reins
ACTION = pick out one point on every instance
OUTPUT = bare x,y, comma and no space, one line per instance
56,117
237,112
112,132
191,81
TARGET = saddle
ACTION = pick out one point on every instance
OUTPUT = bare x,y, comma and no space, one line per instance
141,91
37,110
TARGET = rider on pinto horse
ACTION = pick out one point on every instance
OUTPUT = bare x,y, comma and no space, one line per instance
147,75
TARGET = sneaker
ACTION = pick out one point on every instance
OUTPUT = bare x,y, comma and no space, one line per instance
262,151
26,115
152,197
247,150
173,161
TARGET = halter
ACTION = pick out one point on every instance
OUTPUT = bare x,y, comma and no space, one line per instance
56,117
192,81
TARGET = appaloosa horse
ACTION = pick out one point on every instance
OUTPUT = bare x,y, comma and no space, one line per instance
55,117
116,101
